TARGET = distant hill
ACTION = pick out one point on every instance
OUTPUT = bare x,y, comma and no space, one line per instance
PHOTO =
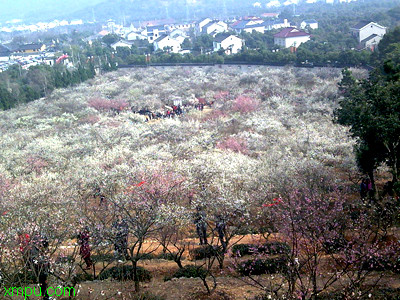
119,10
133,10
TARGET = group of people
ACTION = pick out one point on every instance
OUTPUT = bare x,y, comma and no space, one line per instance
35,254
171,112
201,228
175,110
120,232
365,188
367,191
35,250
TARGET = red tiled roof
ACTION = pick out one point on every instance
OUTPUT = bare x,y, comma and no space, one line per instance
290,32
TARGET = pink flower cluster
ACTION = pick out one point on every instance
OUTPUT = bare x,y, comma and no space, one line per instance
244,104
234,144
102,104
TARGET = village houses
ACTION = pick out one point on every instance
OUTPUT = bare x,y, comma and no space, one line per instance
258,25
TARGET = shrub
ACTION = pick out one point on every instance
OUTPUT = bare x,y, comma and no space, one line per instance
147,256
244,104
248,80
384,294
213,115
102,104
65,259
272,248
103,257
20,279
378,264
166,256
122,273
222,95
205,251
234,144
331,296
335,245
263,266
396,266
82,277
188,272
387,294
243,249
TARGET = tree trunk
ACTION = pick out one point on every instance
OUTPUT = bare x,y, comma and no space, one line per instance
135,276
179,263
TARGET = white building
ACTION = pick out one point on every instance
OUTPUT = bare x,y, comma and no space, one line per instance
291,37
249,26
309,23
181,26
132,36
368,34
179,35
230,43
167,43
121,43
203,23
214,27
154,32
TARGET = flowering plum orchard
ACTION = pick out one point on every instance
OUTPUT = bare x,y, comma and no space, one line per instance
265,159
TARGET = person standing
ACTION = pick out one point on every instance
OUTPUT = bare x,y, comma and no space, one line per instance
84,251
220,227
121,230
363,189
40,262
201,225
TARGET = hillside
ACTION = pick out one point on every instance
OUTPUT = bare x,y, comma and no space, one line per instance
293,115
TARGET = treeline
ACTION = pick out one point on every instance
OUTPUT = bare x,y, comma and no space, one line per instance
19,86
371,108
302,56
